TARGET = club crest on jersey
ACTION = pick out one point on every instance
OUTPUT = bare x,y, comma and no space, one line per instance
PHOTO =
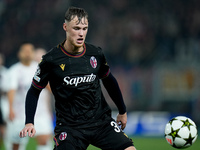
63,136
93,62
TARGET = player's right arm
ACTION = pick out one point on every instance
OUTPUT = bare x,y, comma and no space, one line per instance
30,109
39,82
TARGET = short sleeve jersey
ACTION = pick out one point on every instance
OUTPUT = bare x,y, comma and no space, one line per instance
20,78
74,81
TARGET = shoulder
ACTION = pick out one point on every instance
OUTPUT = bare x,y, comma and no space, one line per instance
3,69
14,69
51,54
89,45
93,48
15,66
34,63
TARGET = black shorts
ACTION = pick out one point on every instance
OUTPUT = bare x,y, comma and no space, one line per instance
106,137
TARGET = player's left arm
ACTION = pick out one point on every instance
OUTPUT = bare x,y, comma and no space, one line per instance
112,87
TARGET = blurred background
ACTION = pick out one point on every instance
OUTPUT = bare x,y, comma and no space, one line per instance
152,47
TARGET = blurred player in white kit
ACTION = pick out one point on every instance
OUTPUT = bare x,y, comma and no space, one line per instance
20,79
3,98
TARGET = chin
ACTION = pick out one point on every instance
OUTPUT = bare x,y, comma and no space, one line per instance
79,45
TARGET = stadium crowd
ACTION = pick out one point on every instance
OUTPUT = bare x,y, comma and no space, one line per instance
131,32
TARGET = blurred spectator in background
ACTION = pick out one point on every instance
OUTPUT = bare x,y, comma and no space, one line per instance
20,78
44,116
146,32
3,97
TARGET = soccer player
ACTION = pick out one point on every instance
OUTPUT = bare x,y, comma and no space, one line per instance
20,79
19,82
74,69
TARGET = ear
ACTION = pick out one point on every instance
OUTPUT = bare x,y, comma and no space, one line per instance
65,26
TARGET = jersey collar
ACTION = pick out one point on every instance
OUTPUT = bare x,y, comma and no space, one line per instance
72,55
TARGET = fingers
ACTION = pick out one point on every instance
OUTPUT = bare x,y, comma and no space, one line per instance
31,133
122,120
23,133
30,130
123,126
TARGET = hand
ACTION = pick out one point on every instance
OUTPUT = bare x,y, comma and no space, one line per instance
122,120
28,128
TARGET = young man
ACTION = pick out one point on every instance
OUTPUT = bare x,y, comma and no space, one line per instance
21,74
20,77
74,69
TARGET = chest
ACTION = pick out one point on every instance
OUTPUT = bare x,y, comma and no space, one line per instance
75,67
23,77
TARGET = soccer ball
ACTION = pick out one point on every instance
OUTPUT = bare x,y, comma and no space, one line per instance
181,132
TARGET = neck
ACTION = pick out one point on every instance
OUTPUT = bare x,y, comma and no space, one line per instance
72,49
26,63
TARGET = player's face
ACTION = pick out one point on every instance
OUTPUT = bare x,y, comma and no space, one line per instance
76,31
26,53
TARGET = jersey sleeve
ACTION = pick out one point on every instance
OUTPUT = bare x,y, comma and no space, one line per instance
104,67
5,83
41,76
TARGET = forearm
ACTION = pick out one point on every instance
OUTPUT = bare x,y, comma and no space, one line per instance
11,94
112,87
31,104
